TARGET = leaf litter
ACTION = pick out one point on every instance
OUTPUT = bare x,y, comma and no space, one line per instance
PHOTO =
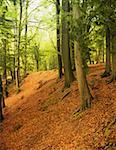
41,116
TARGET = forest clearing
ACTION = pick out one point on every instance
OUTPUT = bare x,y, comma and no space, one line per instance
57,74
42,116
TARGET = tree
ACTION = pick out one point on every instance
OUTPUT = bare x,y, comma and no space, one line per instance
36,56
108,63
18,48
58,38
4,39
26,29
113,33
84,90
1,96
69,77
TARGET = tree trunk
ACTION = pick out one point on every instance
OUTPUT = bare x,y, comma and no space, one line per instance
1,114
14,68
114,56
58,38
4,68
85,94
84,90
26,28
73,56
37,65
108,65
17,80
19,42
1,96
103,50
71,39
69,77
15,43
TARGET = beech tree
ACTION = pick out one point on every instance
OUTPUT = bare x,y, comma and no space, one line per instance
26,31
68,73
18,47
113,33
84,90
108,62
58,38
1,97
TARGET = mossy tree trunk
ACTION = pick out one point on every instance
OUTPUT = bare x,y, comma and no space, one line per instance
84,90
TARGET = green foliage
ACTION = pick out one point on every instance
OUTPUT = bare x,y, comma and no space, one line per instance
89,29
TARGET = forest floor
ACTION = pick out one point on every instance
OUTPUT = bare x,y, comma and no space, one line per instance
42,116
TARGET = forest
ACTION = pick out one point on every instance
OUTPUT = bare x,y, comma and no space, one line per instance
57,75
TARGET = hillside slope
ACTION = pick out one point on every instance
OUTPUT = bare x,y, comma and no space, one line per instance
42,116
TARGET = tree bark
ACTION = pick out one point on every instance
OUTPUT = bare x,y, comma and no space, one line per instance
4,68
69,77
26,28
103,50
84,90
18,47
1,96
37,65
19,42
108,64
73,56
114,56
58,38
71,38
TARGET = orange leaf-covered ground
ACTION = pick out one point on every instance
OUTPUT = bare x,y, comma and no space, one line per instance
41,117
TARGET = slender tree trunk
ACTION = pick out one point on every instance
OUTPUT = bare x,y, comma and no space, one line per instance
4,41
5,69
73,56
84,90
19,42
26,28
71,39
108,64
15,44
14,67
85,94
4,66
103,50
1,96
114,56
37,65
69,77
1,113
58,38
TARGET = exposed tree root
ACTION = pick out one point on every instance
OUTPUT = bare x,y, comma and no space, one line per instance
83,107
111,80
105,74
66,93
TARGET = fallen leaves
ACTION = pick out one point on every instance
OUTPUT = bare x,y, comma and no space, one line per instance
40,116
